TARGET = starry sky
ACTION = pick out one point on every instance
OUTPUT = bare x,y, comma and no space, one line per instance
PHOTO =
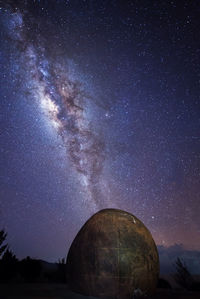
100,108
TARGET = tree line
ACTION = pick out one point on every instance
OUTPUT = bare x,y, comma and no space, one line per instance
33,270
27,269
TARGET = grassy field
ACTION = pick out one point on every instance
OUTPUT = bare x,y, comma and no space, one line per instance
61,291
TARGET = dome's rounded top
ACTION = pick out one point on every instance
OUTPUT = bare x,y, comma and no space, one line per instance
121,228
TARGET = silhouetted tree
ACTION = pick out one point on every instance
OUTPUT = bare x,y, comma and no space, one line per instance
62,261
8,266
3,236
184,278
62,264
182,275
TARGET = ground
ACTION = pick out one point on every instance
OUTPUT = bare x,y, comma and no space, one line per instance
61,291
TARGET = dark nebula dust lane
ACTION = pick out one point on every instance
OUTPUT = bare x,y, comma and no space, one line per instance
99,109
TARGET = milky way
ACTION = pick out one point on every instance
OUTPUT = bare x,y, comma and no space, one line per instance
63,100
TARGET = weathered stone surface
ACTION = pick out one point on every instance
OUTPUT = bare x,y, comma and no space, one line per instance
112,255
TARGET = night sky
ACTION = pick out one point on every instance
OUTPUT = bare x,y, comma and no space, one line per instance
100,107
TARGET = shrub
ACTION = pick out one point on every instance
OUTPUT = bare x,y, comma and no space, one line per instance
182,275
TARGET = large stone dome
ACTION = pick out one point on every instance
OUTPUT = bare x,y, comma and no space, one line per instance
112,255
